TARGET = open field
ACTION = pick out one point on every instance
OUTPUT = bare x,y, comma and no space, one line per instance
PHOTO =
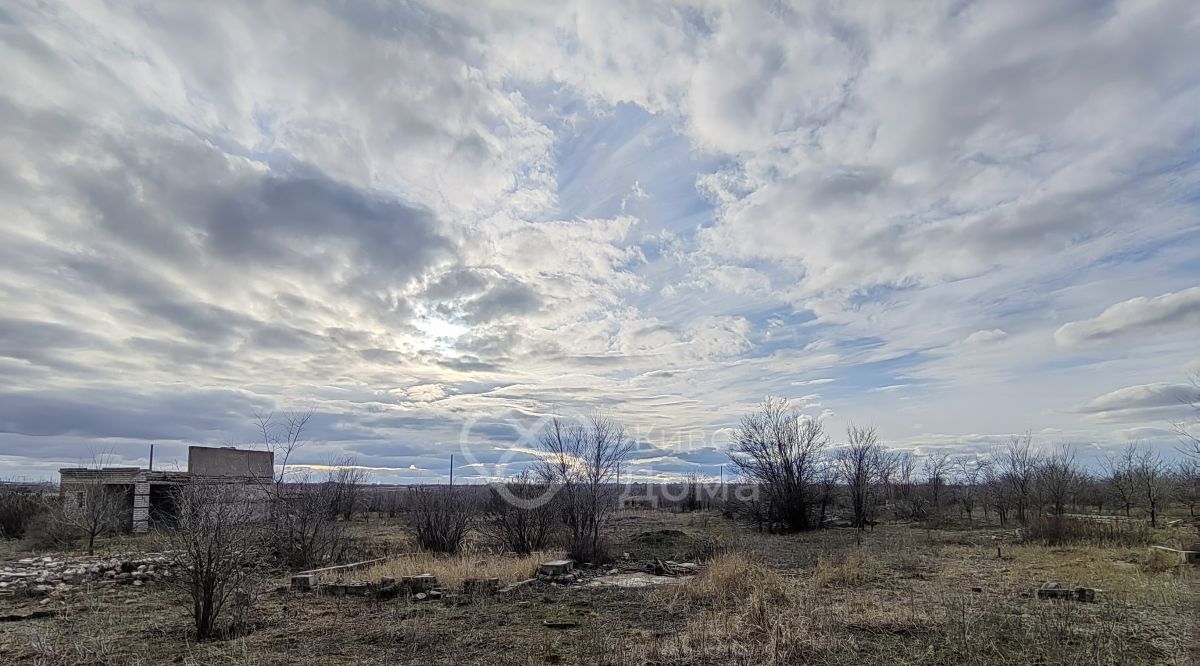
906,595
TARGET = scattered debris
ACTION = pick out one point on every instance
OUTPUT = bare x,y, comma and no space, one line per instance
35,615
517,585
479,586
669,568
48,576
1185,556
310,580
1061,591
633,580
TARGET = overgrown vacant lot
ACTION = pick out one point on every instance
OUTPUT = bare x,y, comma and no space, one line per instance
906,595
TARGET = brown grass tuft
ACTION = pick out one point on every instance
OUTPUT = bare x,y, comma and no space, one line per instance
452,570
846,569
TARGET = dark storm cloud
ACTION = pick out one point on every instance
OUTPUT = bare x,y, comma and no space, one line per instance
113,413
179,199
38,341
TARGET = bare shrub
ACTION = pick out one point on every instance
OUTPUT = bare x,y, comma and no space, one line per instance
521,514
47,530
216,553
440,516
1061,531
779,449
346,491
93,510
305,531
583,461
19,506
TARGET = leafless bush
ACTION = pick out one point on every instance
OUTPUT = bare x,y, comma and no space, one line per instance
440,517
92,510
305,530
19,506
346,492
1061,531
521,514
216,550
583,461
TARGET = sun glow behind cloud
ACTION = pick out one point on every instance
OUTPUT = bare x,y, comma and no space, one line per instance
952,221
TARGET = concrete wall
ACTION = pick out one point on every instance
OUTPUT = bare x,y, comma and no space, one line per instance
230,462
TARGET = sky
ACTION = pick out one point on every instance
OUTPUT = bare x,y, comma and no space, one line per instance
435,225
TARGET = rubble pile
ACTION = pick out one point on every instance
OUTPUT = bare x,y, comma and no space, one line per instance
49,576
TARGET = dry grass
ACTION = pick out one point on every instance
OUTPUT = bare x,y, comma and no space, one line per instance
1059,531
730,579
452,570
845,569
904,597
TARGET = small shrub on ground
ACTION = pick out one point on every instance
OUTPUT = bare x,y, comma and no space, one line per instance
440,518
1062,531
48,531
18,508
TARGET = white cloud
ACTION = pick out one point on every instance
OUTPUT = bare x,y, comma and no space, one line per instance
1158,401
263,205
1169,313
985,337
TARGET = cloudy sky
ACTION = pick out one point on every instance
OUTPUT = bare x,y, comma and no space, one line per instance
433,224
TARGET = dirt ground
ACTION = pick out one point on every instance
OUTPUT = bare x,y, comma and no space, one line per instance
906,595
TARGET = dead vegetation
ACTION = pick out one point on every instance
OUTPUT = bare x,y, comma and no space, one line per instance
909,596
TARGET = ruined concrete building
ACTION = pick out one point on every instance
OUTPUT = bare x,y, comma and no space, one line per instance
148,494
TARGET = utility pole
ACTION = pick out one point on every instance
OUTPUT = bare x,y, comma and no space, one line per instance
451,470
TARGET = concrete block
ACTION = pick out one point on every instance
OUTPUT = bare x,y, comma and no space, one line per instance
304,582
556,567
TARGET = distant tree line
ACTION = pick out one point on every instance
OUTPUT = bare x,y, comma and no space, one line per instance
804,480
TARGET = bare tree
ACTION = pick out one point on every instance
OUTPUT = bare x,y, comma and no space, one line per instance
1018,464
1187,484
779,449
583,461
521,514
282,434
937,467
999,496
1058,479
216,553
93,510
1153,480
1120,477
862,464
969,472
